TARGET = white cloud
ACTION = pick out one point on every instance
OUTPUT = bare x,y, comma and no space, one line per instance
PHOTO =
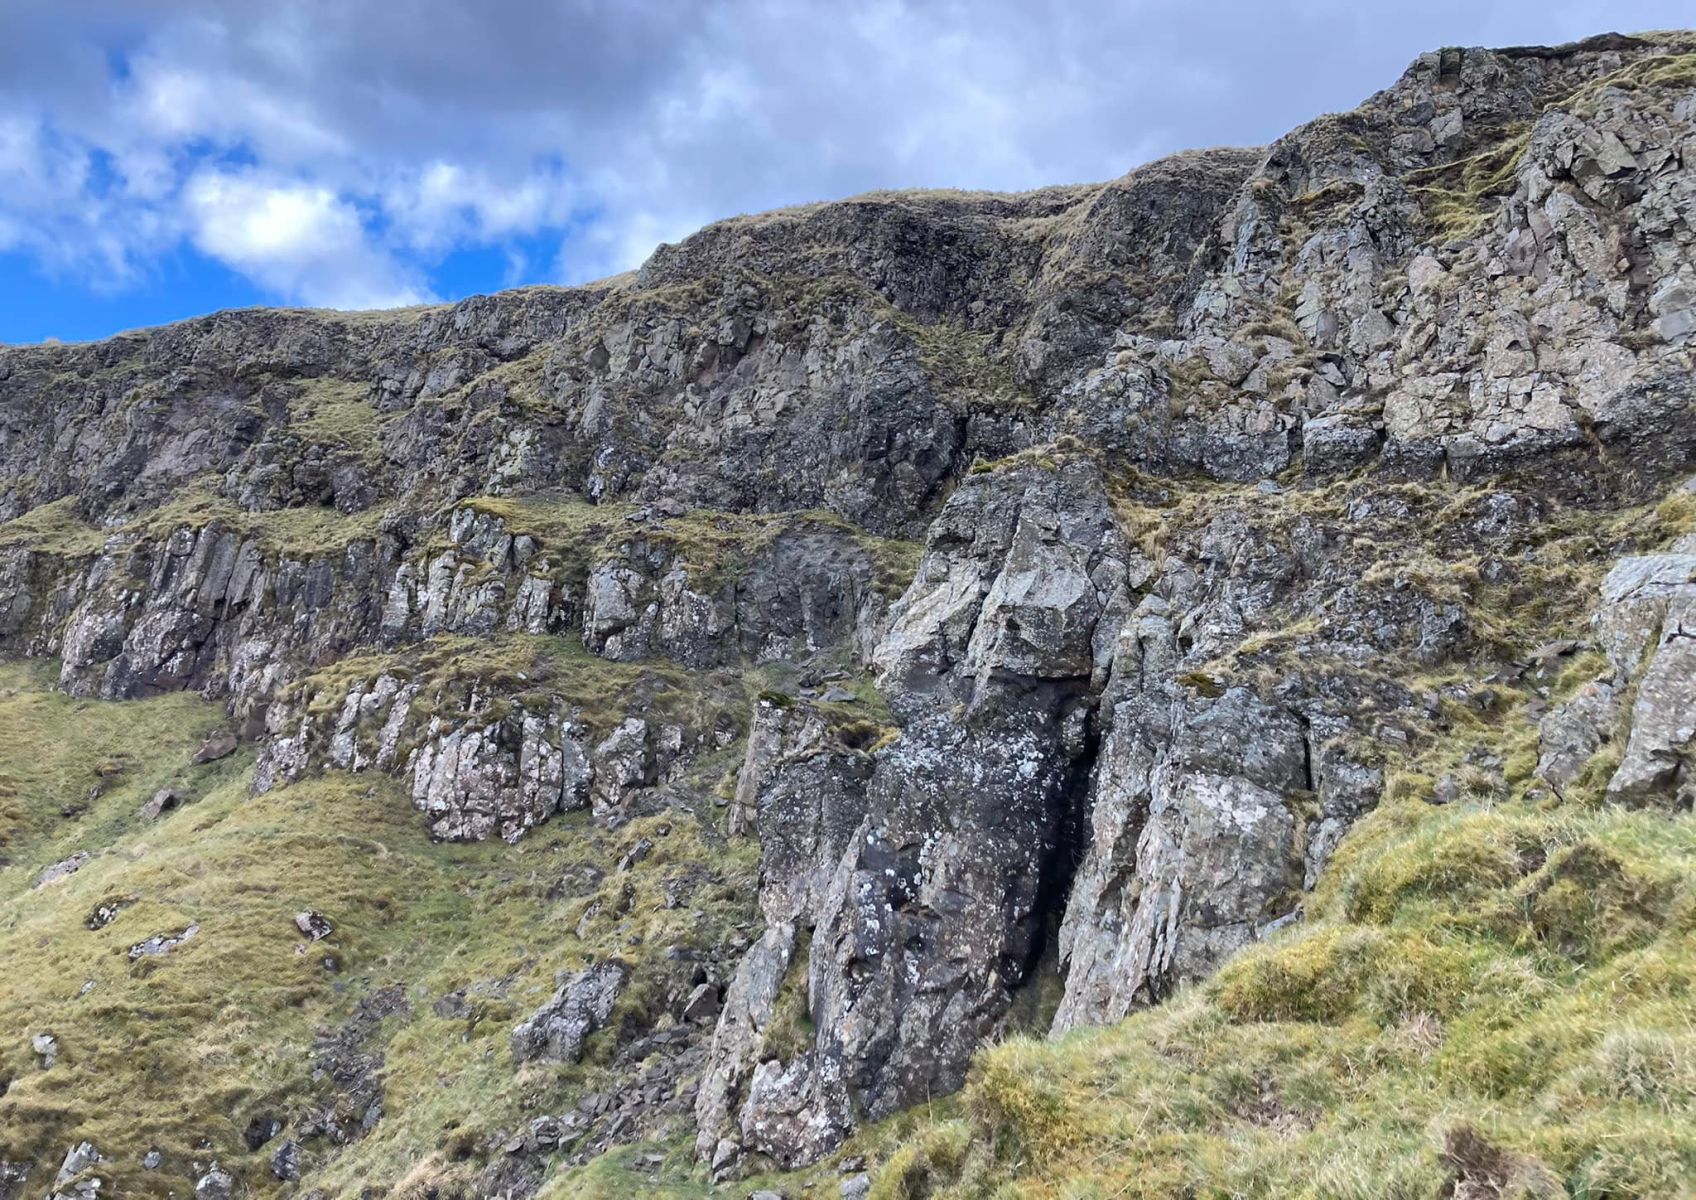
301,241
445,203
334,151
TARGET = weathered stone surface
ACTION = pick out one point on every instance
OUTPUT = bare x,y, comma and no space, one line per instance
1646,625
919,873
163,943
285,1162
313,925
219,745
1217,467
1192,847
78,1178
158,804
583,1003
63,869
46,1048
472,779
216,1184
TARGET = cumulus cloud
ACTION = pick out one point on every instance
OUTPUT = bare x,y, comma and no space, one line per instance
299,240
337,151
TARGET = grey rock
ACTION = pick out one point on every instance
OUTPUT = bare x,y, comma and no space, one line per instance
219,745
703,1003
46,1048
161,802
1191,843
261,1129
1661,749
107,911
14,1177
285,1162
76,1179
1646,626
63,869
163,943
313,925
216,1184
582,1004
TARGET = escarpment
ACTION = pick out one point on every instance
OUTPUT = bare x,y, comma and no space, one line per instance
877,626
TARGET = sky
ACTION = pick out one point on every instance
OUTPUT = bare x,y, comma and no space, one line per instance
161,159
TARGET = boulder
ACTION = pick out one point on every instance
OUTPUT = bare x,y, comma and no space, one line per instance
582,1004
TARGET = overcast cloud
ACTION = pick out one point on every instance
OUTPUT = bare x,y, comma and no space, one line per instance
339,153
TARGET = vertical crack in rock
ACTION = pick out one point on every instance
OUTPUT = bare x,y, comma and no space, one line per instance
1235,476
927,917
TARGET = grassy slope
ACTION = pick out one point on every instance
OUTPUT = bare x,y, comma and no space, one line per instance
193,1045
1501,990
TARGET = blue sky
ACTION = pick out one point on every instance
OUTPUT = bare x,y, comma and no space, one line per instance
165,158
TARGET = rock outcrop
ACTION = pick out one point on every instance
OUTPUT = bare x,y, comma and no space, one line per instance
1040,585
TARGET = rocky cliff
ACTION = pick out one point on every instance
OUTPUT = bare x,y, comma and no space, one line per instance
877,627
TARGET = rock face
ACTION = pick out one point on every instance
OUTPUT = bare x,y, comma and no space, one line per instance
1645,625
1193,845
1044,584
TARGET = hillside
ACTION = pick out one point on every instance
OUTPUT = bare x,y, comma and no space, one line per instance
1174,687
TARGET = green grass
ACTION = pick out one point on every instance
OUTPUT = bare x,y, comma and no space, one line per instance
55,750
55,526
339,413
169,1051
1517,976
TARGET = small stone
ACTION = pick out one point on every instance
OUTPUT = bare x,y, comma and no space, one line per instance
163,800
63,869
856,1188
162,943
545,1134
636,853
1555,649
835,694
261,1130
702,1005
79,1158
106,912
46,1047
285,1163
725,1155
151,1160
216,1184
1446,791
220,745
314,925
